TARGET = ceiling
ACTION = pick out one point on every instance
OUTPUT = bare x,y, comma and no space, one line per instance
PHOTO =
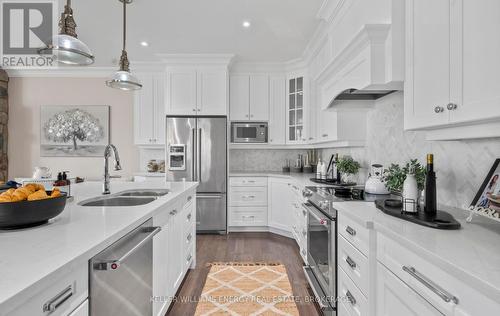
279,31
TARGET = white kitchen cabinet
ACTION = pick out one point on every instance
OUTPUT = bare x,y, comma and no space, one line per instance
249,97
212,92
173,250
395,298
248,202
195,90
281,200
296,111
259,97
451,72
82,310
277,110
239,97
181,91
149,110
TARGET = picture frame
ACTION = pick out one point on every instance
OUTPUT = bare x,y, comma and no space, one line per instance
487,199
74,130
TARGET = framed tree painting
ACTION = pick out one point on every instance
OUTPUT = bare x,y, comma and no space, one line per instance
74,131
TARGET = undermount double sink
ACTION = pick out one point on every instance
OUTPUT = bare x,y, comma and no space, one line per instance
126,198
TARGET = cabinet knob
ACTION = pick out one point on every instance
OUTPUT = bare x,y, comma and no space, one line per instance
324,135
194,110
451,106
246,115
438,109
251,115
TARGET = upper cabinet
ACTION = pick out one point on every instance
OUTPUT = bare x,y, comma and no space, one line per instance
249,97
194,90
295,132
149,110
277,124
451,72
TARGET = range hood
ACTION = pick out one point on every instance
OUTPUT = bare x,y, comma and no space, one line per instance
353,94
370,67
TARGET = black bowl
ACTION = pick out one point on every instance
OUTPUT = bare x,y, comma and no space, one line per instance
23,214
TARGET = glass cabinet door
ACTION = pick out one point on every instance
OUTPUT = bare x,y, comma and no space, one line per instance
296,109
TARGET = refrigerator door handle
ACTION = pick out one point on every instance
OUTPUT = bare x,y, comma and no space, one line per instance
194,168
198,159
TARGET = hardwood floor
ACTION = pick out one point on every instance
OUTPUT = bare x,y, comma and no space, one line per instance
265,247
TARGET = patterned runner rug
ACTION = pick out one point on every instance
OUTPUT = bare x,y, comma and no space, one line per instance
247,289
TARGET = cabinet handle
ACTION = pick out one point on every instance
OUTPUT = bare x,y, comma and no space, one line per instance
350,262
56,301
194,110
438,109
251,115
304,212
439,291
350,231
189,237
251,181
350,298
311,138
189,198
173,212
451,106
324,135
189,258
304,233
303,253
198,110
188,217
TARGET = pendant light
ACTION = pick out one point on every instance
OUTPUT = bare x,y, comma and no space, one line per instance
65,46
123,79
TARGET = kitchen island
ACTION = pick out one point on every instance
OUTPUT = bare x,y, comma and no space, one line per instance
33,259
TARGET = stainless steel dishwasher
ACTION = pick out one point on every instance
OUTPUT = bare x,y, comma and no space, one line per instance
121,278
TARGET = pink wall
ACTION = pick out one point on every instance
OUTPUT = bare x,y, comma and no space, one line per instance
26,95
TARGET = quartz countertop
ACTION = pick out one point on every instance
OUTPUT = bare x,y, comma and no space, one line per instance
471,254
31,255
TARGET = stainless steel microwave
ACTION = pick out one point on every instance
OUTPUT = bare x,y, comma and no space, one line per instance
248,132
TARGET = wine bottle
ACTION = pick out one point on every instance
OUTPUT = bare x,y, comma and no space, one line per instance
430,188
337,172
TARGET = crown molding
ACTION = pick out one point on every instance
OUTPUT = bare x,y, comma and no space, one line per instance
330,9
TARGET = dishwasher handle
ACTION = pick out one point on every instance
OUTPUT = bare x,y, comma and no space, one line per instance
115,263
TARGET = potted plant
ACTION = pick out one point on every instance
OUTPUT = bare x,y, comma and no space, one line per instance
395,175
347,167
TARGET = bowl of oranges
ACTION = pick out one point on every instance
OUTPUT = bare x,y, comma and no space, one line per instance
30,205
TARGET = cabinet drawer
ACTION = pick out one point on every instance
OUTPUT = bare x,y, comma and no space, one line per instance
354,264
64,292
353,232
188,217
243,196
189,257
426,279
248,181
352,298
248,216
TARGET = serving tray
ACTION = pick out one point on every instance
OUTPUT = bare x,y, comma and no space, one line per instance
442,219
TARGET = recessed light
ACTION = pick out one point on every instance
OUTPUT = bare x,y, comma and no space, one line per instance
144,44
246,24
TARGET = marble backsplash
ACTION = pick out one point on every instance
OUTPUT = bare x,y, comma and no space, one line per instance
261,159
461,165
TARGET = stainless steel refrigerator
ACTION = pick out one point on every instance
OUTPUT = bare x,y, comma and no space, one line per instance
197,151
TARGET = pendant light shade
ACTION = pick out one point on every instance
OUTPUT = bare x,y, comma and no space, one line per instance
65,46
123,79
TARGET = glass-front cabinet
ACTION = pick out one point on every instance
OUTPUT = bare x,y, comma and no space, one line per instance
296,110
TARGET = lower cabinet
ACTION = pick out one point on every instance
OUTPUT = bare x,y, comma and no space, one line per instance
82,310
281,199
173,250
248,203
395,298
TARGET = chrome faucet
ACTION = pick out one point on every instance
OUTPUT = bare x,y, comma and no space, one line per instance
107,177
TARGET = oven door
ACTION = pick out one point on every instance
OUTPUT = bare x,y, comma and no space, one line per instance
321,251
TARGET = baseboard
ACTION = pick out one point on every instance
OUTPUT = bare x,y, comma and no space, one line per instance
259,229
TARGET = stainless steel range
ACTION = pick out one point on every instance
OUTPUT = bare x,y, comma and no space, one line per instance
322,240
